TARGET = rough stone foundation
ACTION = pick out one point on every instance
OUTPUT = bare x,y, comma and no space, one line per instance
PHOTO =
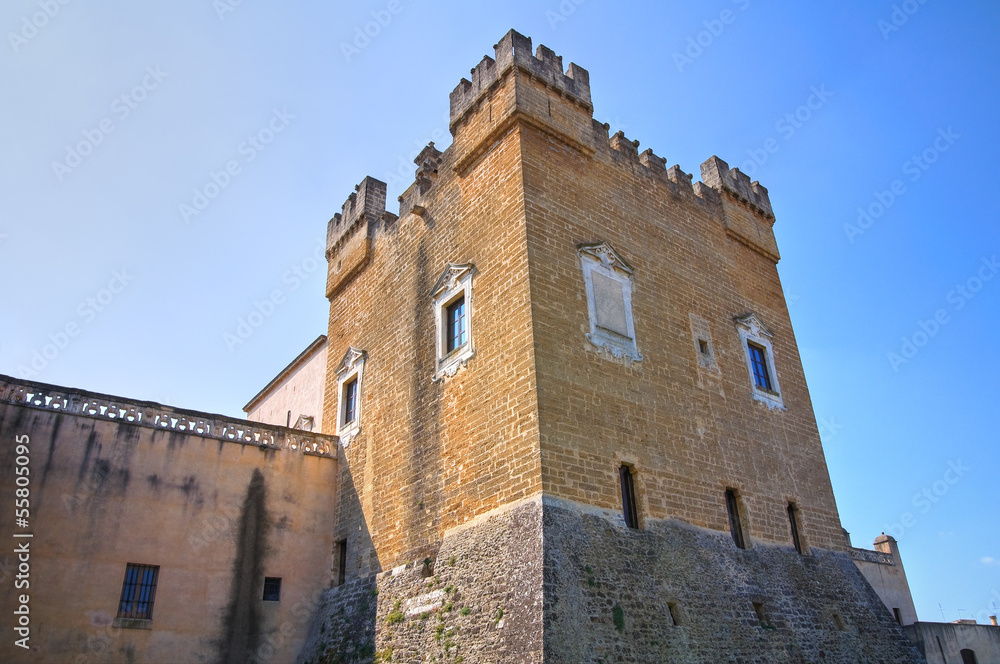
609,591
480,601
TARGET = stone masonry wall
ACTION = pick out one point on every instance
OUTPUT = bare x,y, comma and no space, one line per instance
690,429
433,455
613,594
479,602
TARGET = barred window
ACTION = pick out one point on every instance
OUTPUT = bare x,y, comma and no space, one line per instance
272,589
138,592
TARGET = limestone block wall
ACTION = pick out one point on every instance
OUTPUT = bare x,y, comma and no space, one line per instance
215,515
690,428
433,454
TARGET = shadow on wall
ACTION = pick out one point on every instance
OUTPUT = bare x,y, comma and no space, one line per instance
343,626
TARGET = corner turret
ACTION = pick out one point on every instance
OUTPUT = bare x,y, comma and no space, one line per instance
349,233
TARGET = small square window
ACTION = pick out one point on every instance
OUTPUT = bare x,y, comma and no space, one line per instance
272,589
758,609
675,613
703,346
138,592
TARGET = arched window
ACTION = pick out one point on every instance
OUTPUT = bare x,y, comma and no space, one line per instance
969,656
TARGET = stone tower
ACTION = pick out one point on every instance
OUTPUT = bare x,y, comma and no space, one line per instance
574,418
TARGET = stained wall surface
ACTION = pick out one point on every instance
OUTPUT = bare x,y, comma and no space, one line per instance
216,517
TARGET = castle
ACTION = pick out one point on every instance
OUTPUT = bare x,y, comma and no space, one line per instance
562,418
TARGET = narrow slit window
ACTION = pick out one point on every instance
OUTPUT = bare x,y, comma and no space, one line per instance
272,589
456,324
351,401
629,506
793,522
758,359
138,592
897,615
838,622
342,563
735,525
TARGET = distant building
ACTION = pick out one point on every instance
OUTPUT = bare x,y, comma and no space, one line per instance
883,568
958,642
294,398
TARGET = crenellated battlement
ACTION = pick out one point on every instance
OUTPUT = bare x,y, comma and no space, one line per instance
365,204
717,174
514,51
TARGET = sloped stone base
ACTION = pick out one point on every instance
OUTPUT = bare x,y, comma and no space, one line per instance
610,593
669,593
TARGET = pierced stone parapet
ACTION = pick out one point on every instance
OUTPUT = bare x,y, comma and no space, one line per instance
869,556
156,416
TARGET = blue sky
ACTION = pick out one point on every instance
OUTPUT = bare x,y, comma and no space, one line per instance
902,125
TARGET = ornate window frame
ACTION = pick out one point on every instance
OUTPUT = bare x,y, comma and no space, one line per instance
350,368
753,331
601,259
455,282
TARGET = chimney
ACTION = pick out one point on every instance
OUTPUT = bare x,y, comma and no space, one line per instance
993,619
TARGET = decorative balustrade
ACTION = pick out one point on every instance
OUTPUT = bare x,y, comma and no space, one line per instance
156,416
869,556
